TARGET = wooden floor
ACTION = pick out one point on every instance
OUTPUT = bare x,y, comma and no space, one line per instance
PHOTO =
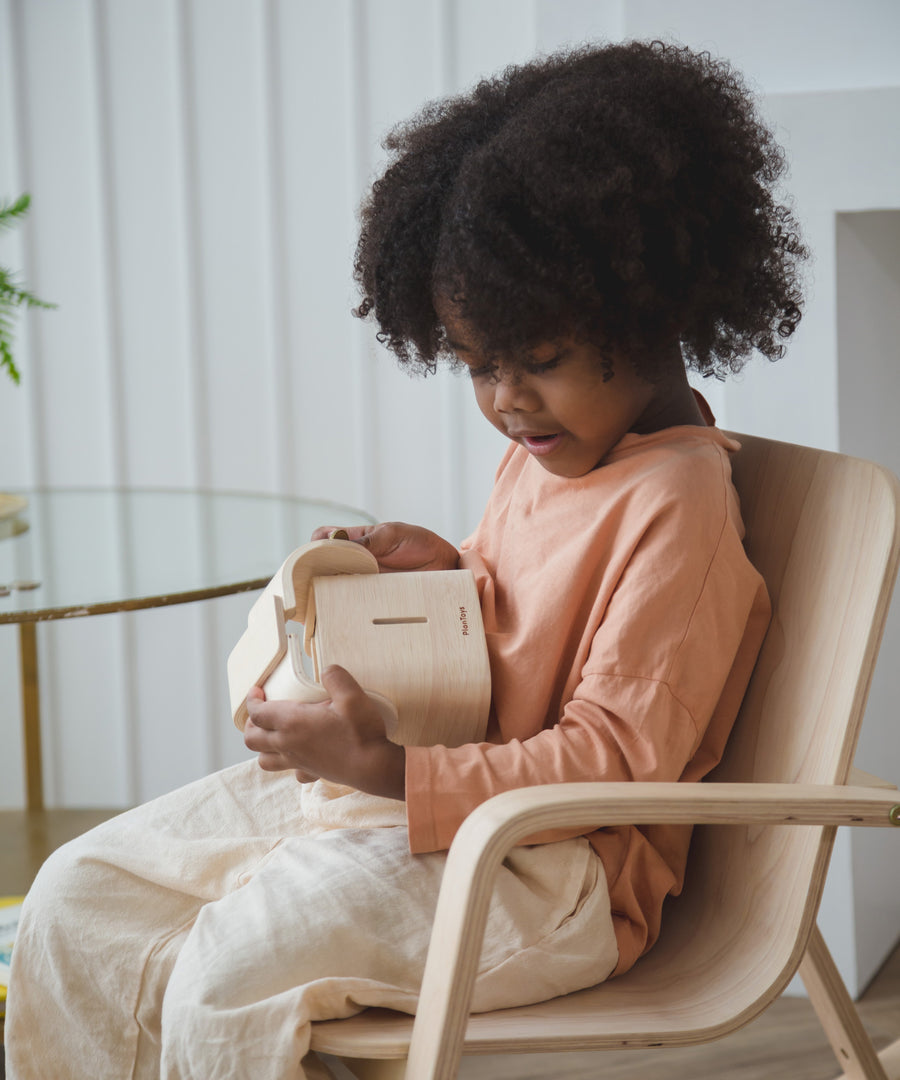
26,839
785,1043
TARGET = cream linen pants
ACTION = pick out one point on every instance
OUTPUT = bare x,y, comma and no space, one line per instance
199,935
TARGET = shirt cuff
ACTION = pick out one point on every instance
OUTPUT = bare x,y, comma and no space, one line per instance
419,809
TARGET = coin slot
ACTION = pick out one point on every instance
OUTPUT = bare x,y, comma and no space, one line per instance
402,621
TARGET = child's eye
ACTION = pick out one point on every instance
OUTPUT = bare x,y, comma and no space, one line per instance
486,371
542,367
530,367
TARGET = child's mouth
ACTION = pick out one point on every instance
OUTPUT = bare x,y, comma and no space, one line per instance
540,444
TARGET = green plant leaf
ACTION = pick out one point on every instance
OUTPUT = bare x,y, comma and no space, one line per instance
13,294
6,362
11,212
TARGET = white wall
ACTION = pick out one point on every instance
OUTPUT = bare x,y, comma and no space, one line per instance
868,324
195,167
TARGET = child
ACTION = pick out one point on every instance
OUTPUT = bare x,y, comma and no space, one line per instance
572,233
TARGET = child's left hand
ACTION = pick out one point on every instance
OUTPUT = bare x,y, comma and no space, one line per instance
342,739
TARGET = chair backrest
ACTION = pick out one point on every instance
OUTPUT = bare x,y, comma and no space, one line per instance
822,528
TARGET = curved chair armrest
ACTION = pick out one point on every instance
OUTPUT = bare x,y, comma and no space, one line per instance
496,826
514,815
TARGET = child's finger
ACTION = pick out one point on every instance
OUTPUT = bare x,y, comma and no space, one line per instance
382,539
341,686
353,532
273,762
256,715
260,725
255,737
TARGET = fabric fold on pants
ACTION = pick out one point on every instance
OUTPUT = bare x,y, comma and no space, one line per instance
200,935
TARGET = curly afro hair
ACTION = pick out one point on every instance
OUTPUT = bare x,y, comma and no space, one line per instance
621,195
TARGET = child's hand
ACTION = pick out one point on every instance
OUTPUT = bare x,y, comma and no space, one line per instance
398,546
342,739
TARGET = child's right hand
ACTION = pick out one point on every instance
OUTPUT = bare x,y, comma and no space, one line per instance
398,546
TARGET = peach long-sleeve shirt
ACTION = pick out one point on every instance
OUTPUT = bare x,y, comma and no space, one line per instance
623,619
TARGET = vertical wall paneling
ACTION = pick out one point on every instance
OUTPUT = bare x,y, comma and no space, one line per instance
74,422
108,221
20,440
446,50
212,646
148,219
122,655
155,358
364,413
59,111
319,146
12,787
176,739
191,252
227,41
230,614
16,403
201,356
83,673
235,162
285,477
452,474
15,430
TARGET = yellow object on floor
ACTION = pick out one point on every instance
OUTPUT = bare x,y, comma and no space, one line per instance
10,907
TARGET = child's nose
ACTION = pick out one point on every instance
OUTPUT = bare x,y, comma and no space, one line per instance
513,394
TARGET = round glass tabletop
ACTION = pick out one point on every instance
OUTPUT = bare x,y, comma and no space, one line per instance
87,551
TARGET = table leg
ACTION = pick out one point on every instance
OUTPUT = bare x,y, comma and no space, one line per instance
31,716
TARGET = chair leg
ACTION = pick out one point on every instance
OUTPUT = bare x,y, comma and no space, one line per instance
890,1062
837,1013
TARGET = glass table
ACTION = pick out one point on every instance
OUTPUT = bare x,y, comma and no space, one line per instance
76,552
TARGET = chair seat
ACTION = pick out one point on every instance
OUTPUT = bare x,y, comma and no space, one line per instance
666,999
600,1018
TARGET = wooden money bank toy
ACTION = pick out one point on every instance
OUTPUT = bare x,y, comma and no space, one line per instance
414,642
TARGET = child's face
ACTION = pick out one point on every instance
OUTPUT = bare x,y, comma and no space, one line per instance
568,409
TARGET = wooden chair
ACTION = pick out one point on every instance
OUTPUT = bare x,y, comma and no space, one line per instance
823,529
